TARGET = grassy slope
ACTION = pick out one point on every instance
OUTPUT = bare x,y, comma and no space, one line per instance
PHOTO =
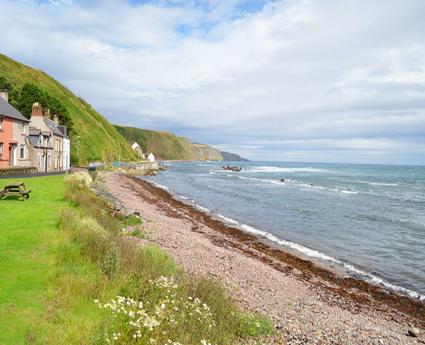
168,146
99,139
28,233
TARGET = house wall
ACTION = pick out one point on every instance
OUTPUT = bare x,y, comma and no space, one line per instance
57,153
66,153
54,157
20,132
6,136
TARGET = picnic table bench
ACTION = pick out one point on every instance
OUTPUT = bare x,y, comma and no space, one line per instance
18,189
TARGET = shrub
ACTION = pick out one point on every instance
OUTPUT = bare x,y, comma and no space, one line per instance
132,219
253,325
80,180
152,262
138,233
110,261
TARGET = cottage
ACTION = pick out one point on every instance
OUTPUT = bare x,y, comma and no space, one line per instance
136,148
50,145
151,157
14,127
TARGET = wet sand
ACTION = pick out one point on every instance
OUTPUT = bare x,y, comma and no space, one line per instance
308,303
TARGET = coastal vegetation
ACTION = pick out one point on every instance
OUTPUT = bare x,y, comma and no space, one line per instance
168,146
76,274
93,137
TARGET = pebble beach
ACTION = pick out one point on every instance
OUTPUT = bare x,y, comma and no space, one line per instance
308,304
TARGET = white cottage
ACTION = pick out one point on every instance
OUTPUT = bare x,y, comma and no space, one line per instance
151,157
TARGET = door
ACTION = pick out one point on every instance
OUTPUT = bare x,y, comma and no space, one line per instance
12,153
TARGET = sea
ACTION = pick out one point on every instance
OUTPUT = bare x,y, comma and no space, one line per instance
367,221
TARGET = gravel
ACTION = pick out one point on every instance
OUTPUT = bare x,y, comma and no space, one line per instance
303,312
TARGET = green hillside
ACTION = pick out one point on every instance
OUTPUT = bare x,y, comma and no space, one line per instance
168,146
93,137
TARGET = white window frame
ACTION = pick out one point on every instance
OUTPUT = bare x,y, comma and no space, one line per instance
1,150
22,127
22,151
1,123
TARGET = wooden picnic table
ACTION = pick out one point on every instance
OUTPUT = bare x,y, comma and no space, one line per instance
18,189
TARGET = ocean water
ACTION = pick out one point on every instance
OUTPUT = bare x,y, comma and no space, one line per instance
366,220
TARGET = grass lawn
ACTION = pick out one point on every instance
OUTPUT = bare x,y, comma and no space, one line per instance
63,249
28,238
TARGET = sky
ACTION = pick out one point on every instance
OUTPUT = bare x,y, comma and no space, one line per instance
291,80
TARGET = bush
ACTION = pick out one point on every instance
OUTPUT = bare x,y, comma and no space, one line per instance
79,180
152,262
110,261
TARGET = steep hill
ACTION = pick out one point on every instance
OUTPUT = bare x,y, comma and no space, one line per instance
169,146
228,156
93,137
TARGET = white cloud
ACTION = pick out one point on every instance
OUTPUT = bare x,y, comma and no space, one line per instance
349,75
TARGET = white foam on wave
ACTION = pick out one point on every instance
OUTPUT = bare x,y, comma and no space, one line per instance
202,208
381,282
299,184
350,269
160,186
228,220
298,247
382,184
271,169
182,197
374,183
348,192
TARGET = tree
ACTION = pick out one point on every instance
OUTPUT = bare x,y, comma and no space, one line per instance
24,98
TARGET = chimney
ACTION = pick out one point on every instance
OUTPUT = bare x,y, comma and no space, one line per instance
37,109
56,119
5,95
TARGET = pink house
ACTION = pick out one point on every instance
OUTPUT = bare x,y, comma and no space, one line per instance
14,127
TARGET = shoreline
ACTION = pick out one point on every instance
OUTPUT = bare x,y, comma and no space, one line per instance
339,268
344,285
308,303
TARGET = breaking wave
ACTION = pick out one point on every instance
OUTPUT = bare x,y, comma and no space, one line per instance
298,184
270,169
159,185
350,269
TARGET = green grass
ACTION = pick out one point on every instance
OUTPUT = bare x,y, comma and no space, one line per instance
28,235
62,249
99,140
168,146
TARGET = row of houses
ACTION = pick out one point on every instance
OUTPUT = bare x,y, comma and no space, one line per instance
39,142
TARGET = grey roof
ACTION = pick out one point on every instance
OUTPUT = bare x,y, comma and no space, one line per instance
34,141
53,126
63,129
35,131
7,110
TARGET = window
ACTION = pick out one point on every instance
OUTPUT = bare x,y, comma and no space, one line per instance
1,150
22,151
1,123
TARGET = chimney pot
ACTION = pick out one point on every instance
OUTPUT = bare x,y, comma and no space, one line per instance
5,95
37,109
56,119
